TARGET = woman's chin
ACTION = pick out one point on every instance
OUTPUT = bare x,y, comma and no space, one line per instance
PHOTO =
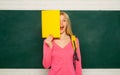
61,32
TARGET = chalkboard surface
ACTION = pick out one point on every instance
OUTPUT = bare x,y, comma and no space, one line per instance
21,42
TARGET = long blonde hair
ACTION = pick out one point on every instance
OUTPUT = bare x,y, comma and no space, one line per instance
68,29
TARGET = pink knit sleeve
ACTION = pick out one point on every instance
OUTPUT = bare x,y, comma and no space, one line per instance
47,51
78,63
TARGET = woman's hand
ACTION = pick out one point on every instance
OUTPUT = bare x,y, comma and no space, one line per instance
48,41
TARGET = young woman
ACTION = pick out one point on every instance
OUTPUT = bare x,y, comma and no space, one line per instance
58,53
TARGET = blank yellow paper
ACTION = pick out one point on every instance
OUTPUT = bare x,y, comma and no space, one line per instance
51,23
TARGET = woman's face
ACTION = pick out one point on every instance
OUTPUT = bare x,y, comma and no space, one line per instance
63,24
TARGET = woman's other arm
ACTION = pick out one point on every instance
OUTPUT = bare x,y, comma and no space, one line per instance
78,63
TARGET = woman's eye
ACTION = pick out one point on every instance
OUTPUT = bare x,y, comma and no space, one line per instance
64,20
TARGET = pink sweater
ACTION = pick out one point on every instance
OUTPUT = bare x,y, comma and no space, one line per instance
61,59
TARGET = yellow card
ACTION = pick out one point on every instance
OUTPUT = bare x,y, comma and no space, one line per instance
51,23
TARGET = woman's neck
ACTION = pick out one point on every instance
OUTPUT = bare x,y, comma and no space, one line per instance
63,35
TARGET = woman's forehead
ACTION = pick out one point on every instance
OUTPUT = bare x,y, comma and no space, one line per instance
63,16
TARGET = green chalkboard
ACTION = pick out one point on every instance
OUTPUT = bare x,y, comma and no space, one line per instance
99,34
21,45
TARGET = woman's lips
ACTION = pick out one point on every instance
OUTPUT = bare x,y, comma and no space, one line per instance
61,28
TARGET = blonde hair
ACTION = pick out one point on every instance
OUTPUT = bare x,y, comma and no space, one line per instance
68,29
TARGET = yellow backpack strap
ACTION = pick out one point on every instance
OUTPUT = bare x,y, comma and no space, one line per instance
74,43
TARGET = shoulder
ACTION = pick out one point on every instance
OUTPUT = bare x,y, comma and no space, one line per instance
74,38
77,40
